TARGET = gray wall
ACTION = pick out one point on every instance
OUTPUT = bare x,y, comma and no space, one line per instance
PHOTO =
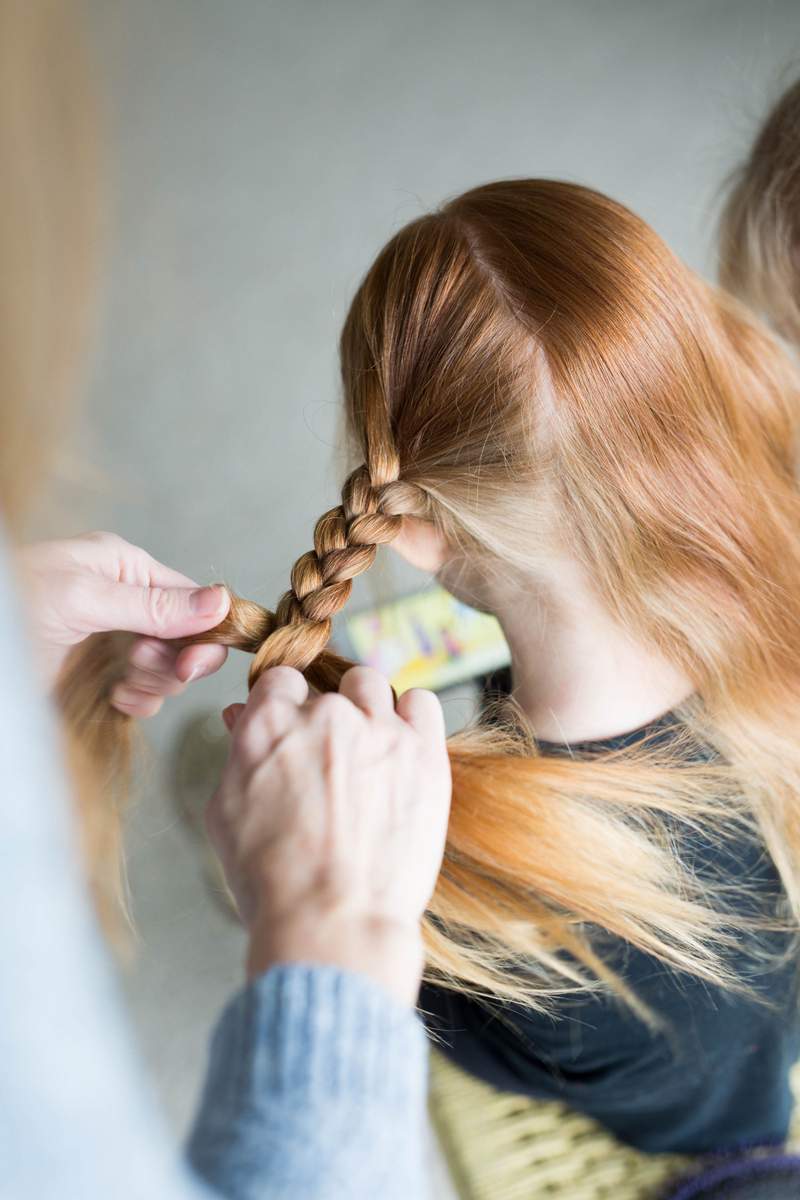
262,153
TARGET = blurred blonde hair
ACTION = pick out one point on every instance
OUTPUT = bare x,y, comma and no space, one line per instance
760,225
49,210
50,215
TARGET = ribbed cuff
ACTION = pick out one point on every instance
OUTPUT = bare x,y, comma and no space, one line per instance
316,1032
316,1088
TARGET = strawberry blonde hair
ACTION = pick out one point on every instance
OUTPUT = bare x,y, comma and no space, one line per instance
532,370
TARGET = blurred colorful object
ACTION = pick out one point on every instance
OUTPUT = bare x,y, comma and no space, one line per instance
428,639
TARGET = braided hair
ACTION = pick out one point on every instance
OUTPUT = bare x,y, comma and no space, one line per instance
346,541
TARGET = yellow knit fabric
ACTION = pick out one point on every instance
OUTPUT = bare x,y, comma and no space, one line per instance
505,1147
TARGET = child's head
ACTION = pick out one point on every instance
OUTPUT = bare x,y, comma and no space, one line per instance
537,377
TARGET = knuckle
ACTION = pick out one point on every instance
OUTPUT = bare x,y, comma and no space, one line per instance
285,681
153,684
265,711
361,674
160,604
106,540
211,656
332,704
149,655
243,741
278,674
333,709
137,704
252,734
273,707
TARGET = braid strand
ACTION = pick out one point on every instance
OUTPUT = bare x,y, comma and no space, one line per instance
346,541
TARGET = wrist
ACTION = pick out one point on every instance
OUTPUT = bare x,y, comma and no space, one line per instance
388,952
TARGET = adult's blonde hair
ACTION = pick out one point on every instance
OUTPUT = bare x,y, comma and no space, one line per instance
50,217
48,236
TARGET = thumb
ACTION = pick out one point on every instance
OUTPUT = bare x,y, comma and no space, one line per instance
161,612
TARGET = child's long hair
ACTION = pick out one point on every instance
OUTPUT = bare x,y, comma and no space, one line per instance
533,371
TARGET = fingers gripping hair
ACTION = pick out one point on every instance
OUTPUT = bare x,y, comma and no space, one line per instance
346,540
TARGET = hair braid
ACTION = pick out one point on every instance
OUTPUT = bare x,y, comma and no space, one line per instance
346,540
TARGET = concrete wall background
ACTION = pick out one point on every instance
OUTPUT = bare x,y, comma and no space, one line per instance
261,154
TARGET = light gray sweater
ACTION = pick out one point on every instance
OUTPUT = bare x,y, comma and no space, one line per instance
316,1083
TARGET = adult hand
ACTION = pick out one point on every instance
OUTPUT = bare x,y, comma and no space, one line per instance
97,582
330,821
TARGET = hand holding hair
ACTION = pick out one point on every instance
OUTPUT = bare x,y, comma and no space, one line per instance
330,821
99,582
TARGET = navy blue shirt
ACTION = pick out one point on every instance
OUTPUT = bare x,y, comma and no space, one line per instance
715,1077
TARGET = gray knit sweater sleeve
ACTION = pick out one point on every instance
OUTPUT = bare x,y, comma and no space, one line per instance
315,1089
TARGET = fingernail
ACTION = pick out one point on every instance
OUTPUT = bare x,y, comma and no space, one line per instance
195,673
206,602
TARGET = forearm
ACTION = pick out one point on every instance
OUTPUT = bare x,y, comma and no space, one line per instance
316,1088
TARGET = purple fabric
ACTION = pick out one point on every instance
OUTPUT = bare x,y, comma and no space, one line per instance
776,1177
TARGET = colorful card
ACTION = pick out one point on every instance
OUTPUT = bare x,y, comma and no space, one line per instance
428,639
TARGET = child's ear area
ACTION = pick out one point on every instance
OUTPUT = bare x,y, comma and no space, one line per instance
421,544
